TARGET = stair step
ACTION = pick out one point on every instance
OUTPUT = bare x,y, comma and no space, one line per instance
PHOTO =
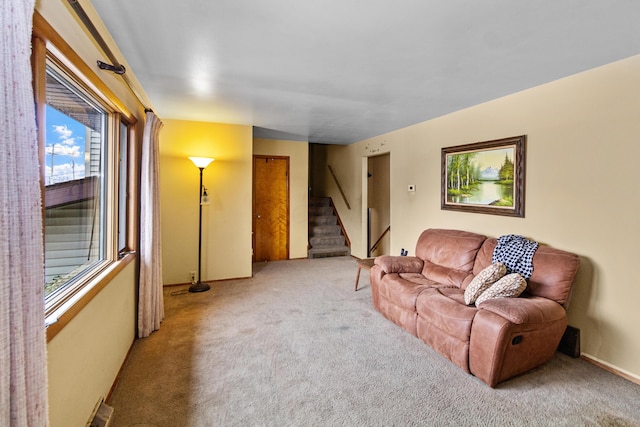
327,241
320,211
323,220
324,230
319,201
329,252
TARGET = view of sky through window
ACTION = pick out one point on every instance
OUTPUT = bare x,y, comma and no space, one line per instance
64,148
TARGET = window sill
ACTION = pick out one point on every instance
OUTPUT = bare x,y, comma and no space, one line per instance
60,317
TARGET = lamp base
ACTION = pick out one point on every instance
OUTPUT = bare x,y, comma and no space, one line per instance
199,287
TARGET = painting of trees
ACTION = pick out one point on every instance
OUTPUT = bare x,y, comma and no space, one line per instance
479,177
506,173
486,177
462,173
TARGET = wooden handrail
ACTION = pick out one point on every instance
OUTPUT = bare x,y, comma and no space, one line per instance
344,231
384,233
335,178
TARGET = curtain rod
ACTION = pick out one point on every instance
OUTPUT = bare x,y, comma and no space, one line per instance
116,67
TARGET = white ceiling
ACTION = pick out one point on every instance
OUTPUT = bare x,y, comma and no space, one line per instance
339,71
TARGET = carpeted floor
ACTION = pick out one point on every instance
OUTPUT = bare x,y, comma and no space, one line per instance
296,346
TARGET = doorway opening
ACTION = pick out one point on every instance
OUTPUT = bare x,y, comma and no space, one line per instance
378,212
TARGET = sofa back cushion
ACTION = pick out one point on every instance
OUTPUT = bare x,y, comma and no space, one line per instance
448,255
553,271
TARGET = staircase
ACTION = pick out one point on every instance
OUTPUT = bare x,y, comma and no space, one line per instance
326,237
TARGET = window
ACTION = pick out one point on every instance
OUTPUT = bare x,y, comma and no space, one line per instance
123,189
88,155
75,205
87,141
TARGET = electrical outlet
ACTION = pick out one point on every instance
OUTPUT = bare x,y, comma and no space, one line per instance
192,276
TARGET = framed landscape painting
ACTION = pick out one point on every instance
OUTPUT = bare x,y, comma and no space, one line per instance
485,177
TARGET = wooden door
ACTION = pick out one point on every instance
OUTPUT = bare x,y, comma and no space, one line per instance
270,208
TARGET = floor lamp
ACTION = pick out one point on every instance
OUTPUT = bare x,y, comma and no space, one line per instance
201,163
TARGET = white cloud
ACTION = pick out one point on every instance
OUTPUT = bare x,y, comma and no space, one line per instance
65,134
60,152
64,172
63,131
63,150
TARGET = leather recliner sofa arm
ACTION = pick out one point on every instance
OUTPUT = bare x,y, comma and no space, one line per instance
525,310
513,335
399,264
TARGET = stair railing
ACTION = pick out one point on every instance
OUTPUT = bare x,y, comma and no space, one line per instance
335,178
344,231
375,245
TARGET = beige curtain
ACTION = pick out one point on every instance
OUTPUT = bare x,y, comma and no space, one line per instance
23,375
150,302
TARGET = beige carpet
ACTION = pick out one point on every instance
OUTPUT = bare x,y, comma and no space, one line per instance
296,346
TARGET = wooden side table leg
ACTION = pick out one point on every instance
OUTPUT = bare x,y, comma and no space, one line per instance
357,278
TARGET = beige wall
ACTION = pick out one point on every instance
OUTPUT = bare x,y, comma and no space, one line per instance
85,357
298,153
582,151
226,221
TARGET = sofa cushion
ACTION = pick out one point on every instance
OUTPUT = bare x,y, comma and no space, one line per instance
553,271
556,270
448,254
455,294
403,317
418,279
511,285
485,255
444,275
483,280
400,291
445,310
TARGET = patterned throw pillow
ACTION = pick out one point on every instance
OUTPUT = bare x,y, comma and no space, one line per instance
483,280
511,285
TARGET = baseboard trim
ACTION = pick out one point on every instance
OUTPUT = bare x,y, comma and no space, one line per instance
609,368
169,285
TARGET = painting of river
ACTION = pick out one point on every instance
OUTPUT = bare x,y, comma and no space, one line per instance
485,177
486,193
481,177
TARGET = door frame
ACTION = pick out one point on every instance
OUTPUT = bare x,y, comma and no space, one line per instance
366,189
253,202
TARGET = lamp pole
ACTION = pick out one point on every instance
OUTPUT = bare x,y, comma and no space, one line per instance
201,163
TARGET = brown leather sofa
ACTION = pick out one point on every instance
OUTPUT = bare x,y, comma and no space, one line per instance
497,340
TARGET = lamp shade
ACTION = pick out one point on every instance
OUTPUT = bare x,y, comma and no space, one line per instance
201,162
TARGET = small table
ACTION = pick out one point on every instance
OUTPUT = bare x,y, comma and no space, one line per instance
365,263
